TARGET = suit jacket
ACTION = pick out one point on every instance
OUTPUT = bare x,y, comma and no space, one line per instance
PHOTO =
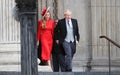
57,49
61,30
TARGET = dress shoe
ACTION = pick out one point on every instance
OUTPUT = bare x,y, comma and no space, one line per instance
43,63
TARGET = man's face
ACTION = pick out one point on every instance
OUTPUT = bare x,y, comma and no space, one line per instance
67,16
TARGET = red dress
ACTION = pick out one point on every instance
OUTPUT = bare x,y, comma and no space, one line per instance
45,36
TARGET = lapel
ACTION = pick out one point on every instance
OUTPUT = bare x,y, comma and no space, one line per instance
73,24
64,23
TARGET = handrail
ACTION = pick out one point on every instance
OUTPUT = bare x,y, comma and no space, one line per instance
109,53
110,40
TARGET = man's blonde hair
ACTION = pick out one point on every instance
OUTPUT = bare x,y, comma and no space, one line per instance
67,12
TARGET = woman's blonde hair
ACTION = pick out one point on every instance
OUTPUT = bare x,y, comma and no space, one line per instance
44,21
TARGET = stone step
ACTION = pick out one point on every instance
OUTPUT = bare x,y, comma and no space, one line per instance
77,73
105,69
10,68
17,68
9,47
10,53
105,63
10,57
63,73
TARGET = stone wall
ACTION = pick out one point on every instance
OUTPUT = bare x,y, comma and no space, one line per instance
105,21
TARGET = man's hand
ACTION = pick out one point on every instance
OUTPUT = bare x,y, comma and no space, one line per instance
57,41
77,42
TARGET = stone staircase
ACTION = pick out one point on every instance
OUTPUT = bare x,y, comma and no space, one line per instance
10,59
103,66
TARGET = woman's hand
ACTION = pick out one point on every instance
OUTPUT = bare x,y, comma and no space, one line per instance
37,43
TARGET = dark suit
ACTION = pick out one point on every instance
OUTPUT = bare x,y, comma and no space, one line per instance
61,33
58,57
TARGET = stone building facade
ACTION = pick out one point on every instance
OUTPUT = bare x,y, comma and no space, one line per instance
95,18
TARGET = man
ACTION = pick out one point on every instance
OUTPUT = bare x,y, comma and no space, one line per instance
67,34
58,55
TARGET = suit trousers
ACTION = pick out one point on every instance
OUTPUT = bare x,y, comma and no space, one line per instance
58,62
69,48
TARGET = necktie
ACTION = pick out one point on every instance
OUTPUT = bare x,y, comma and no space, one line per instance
68,23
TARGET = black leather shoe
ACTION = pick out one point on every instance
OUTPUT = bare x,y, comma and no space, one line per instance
69,70
43,63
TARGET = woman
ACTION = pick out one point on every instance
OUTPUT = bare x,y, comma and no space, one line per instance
45,36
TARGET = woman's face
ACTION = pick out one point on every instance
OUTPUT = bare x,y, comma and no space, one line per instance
47,16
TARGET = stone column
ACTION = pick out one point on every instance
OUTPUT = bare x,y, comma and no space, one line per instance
28,22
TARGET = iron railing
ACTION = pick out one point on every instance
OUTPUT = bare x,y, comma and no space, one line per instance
109,53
